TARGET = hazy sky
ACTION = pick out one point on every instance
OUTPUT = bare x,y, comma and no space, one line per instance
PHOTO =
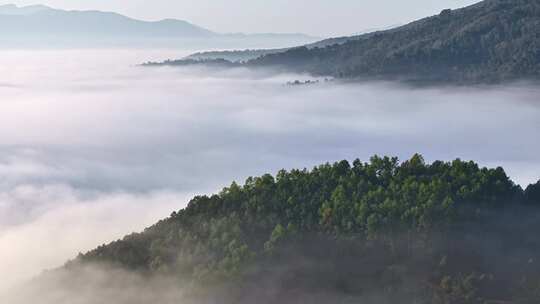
316,17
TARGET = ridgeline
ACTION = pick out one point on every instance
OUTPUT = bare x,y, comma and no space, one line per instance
378,232
493,41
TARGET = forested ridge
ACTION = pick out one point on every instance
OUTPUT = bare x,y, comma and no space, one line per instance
240,56
491,41
377,231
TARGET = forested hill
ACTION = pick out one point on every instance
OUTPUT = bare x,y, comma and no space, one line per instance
381,231
491,41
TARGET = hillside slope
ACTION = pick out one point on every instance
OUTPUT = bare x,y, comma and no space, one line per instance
246,55
491,41
376,232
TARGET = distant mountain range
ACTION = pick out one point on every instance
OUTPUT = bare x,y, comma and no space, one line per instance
489,42
40,25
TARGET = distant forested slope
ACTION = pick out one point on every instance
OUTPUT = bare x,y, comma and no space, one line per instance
375,232
246,55
492,41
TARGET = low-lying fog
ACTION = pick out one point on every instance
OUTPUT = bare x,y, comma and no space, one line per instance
94,147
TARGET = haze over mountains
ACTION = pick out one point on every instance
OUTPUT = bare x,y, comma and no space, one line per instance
377,232
292,198
40,25
489,42
246,55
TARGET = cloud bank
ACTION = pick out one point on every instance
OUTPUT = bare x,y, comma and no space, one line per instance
93,147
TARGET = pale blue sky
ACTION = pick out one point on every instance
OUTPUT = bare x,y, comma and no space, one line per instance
316,17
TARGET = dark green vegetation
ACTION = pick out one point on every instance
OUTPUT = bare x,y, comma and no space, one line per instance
489,42
216,63
376,232
532,193
492,41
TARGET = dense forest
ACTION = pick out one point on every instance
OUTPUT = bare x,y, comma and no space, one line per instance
376,232
492,41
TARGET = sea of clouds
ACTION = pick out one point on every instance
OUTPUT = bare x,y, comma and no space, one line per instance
93,147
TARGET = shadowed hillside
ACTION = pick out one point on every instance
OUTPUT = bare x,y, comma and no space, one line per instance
492,41
377,232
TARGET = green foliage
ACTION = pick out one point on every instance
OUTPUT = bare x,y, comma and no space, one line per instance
463,288
373,207
492,41
532,194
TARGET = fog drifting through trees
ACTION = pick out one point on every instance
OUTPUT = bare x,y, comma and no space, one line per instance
94,143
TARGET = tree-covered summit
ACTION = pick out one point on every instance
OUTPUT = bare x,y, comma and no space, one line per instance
408,215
